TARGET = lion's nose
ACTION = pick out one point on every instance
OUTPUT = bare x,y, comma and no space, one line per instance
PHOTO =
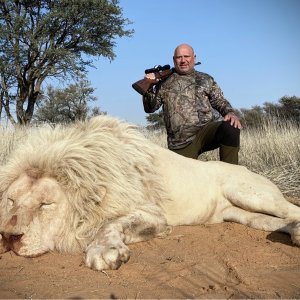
11,238
14,237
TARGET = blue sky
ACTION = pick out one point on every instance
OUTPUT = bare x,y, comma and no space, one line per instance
250,47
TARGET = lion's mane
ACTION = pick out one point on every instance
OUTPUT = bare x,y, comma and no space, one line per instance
83,158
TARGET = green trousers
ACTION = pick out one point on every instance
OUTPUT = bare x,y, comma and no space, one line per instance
205,141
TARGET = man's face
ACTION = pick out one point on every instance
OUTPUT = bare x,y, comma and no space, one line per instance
184,59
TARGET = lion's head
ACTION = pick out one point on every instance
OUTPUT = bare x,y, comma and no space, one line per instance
32,213
62,184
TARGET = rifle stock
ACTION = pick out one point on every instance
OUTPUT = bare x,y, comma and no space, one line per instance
144,85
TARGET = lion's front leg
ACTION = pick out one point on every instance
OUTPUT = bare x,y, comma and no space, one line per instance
108,250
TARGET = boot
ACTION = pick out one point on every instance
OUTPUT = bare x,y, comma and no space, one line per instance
229,154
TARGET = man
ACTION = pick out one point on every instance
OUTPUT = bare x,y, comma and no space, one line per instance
188,99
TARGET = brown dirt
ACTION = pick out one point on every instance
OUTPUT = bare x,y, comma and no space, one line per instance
206,261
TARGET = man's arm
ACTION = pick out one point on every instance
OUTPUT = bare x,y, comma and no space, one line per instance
151,102
151,99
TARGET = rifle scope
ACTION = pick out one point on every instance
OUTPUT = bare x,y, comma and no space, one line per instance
158,69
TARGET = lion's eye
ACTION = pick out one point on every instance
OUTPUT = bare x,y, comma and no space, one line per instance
11,201
45,205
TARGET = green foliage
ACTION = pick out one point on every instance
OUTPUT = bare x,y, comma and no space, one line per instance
252,117
156,121
46,38
67,105
290,107
287,109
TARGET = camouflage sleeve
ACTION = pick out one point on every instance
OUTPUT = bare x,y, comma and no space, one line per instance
218,101
152,101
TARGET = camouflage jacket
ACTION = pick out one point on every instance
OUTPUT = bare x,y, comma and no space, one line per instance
188,103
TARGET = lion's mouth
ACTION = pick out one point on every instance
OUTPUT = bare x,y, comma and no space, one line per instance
13,242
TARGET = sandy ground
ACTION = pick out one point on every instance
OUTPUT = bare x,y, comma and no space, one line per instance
206,261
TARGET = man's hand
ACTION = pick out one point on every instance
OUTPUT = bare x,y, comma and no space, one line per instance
233,119
152,77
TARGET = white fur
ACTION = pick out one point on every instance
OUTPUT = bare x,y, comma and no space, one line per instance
108,186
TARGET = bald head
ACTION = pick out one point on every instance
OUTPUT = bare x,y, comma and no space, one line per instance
184,59
183,47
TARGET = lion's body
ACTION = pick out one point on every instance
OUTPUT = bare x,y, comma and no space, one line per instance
98,185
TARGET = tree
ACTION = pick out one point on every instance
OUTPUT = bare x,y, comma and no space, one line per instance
67,105
287,109
156,121
252,117
290,108
51,38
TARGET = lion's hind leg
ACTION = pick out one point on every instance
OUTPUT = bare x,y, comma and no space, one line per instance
264,222
253,192
109,248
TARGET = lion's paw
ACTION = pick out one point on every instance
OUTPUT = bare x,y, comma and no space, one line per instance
103,257
295,234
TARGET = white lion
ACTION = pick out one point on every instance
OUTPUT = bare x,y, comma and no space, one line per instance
99,185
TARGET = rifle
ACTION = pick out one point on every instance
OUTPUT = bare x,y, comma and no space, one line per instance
161,73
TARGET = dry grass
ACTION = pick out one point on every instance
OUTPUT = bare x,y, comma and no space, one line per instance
273,151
